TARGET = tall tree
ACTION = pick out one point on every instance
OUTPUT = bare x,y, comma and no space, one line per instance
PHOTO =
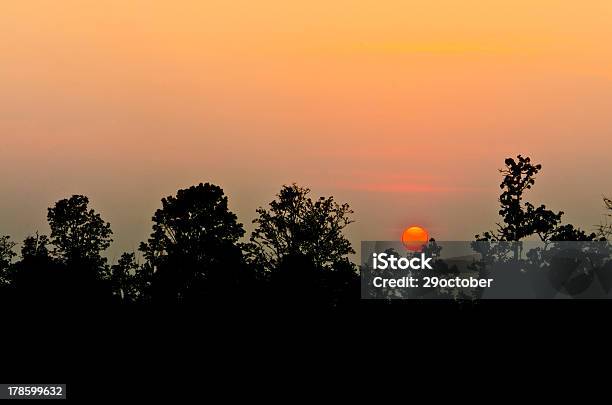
79,235
193,246
295,224
521,218
300,245
77,232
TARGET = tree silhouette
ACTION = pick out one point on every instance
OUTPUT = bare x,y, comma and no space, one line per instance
77,232
522,219
300,246
604,230
296,225
193,251
35,247
79,235
37,277
127,279
6,257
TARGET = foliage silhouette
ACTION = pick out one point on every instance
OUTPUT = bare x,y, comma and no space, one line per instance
604,230
73,271
522,219
38,277
299,246
77,232
570,268
79,235
6,257
35,247
297,225
192,255
127,279
297,253
193,251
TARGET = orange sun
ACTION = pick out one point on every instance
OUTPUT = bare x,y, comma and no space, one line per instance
414,237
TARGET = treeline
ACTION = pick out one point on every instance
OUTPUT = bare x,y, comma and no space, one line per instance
297,252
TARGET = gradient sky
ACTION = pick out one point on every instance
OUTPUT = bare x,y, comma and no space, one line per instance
404,109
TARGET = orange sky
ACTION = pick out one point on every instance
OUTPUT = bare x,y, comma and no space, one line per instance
404,109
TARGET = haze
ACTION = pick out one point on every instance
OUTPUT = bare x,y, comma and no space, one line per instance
404,109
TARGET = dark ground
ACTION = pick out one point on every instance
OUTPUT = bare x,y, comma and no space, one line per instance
149,352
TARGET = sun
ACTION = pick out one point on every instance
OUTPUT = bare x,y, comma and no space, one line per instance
414,237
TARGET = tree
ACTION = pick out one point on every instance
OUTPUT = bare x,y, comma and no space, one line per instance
193,250
37,277
296,225
35,247
6,258
300,245
522,219
605,229
79,235
126,279
77,232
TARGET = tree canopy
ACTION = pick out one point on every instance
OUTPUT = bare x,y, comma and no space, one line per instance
295,224
78,232
194,237
521,218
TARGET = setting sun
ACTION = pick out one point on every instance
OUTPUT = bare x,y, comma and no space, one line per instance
414,237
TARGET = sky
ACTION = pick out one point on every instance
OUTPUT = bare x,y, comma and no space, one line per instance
403,109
